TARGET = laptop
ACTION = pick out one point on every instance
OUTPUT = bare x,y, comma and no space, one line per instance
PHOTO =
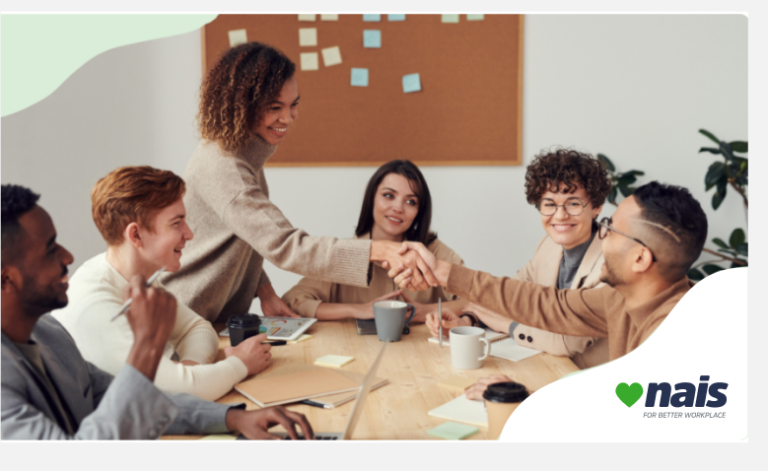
357,408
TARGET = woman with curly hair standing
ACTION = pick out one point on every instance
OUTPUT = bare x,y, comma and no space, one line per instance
248,102
568,188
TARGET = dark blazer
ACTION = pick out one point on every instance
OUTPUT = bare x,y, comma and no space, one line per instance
126,406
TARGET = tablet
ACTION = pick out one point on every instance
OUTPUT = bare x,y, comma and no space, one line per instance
282,328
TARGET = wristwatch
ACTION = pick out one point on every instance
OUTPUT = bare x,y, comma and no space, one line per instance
472,318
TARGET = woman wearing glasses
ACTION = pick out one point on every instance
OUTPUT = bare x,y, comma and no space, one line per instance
568,188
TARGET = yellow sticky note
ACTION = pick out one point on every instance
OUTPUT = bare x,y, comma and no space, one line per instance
301,338
331,56
458,383
309,61
307,17
307,36
329,17
334,361
237,36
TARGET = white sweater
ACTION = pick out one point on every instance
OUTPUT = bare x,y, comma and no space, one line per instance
96,294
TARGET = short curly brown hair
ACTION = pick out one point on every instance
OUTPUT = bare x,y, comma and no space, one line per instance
551,168
237,91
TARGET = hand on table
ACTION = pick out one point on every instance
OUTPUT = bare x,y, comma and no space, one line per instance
272,305
397,259
450,320
254,424
494,320
251,351
422,309
476,391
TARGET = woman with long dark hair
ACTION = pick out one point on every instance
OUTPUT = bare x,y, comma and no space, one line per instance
248,102
397,206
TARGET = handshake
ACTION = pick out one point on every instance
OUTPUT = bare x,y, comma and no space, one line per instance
411,264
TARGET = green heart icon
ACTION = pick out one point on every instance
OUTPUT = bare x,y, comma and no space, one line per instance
629,395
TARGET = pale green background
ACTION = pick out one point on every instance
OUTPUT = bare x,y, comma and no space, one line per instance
39,52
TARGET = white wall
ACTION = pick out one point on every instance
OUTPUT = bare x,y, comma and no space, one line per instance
636,88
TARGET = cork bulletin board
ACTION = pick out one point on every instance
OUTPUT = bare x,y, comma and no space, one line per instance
468,111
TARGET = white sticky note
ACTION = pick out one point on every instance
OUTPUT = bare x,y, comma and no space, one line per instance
450,18
237,36
329,17
331,56
306,17
309,61
475,17
307,36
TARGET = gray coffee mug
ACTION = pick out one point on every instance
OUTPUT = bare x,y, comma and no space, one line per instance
390,319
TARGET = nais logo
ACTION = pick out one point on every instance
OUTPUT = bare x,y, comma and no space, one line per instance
686,395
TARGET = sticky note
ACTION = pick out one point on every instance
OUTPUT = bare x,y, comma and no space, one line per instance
411,83
237,36
457,383
309,61
453,431
331,56
371,17
359,77
307,17
217,436
334,361
329,17
307,36
475,17
372,38
450,18
301,338
396,17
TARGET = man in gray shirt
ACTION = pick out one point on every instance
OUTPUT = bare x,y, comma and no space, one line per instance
50,392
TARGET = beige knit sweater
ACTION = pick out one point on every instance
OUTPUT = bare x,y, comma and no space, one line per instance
236,227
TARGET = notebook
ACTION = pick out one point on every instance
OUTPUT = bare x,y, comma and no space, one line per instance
462,410
490,334
508,349
295,382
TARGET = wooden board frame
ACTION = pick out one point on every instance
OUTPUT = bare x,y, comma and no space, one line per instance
469,111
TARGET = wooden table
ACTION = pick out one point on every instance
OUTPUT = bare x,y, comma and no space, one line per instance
413,366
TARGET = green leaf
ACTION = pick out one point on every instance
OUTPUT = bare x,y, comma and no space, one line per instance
726,150
711,150
714,174
612,196
719,242
743,249
625,191
710,269
737,237
695,275
719,196
739,146
736,265
638,173
606,161
710,136
626,180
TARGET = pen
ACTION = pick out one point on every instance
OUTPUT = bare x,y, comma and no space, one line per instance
274,343
127,304
314,404
440,320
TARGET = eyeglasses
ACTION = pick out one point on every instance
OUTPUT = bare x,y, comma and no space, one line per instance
572,206
605,228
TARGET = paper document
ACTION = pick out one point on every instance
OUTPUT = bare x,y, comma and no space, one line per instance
462,410
508,349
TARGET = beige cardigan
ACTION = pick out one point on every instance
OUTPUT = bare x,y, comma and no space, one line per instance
543,269
597,312
306,296
236,227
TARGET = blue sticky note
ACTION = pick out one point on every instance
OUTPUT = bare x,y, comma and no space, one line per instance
371,17
371,38
411,83
396,17
359,77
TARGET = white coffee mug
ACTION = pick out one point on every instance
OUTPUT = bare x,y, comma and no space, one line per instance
467,347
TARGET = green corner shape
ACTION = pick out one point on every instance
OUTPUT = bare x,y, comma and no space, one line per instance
39,52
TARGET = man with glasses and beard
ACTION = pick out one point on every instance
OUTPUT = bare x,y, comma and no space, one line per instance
50,392
649,244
